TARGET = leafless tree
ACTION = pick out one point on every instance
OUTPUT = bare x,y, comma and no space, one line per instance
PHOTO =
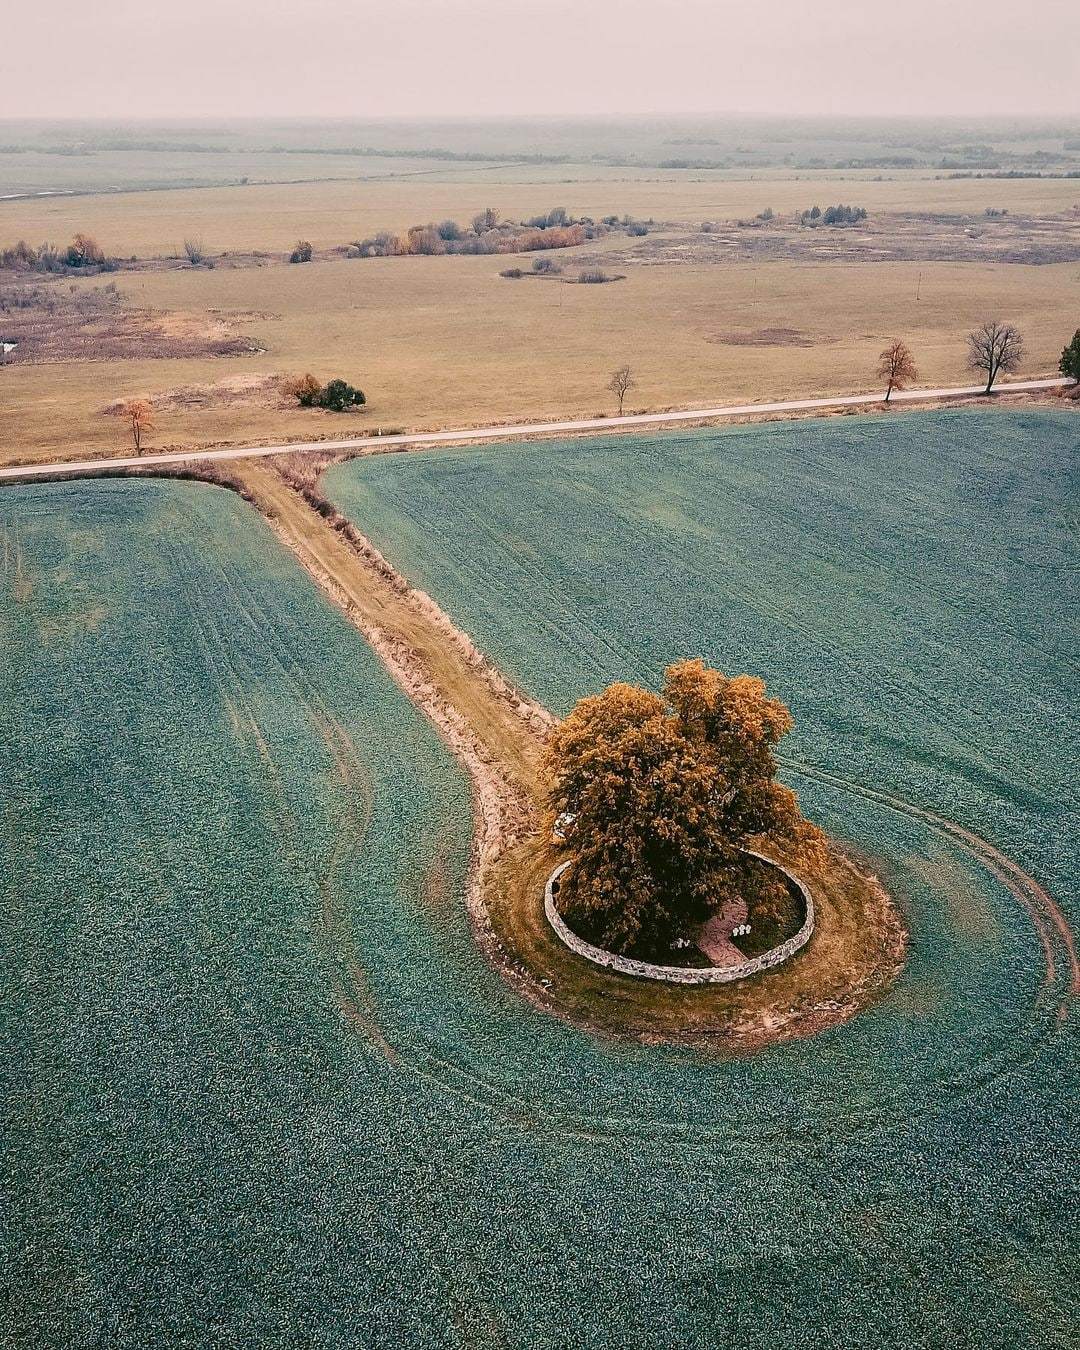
485,220
994,347
620,384
896,367
140,413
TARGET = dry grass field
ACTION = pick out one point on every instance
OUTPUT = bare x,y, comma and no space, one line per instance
271,216
438,341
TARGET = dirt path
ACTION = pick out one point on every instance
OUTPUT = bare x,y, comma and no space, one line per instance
495,731
526,429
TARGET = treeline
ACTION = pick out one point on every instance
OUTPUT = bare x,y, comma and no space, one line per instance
1019,173
833,215
451,156
486,233
83,254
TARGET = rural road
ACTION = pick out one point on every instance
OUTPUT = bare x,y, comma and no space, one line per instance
53,469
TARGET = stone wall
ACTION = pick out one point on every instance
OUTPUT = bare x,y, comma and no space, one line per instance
645,970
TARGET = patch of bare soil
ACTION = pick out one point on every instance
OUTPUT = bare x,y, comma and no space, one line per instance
57,320
766,337
234,391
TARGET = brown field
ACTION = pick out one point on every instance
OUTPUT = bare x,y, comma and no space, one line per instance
441,341
273,216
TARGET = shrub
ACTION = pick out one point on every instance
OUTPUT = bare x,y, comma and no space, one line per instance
84,251
306,389
339,395
425,239
834,215
556,216
22,255
1070,358
545,266
302,252
513,273
637,228
552,230
593,276
767,214
485,220
195,251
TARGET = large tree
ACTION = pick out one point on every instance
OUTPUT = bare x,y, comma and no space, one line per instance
994,347
661,792
1070,358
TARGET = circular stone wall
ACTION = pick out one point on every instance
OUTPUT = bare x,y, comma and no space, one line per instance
645,970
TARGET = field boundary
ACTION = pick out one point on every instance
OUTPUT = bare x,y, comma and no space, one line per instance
647,970
523,430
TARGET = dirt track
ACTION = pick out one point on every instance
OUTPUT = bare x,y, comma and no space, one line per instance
521,430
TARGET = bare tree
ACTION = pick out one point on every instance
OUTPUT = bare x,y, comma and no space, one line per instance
195,251
485,220
620,384
994,347
140,414
896,367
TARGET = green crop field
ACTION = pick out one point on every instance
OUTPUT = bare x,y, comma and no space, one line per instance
261,1088
909,588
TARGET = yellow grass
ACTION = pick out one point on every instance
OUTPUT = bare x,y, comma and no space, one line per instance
446,341
273,216
437,342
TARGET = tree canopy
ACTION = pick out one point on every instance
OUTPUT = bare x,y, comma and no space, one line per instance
1070,358
661,792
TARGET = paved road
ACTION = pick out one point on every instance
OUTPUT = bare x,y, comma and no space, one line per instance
520,429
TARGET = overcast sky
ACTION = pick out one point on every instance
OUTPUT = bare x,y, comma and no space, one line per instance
426,58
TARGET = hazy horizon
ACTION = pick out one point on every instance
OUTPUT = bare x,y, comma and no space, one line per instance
482,59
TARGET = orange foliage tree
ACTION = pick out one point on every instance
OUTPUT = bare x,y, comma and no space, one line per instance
304,388
896,367
659,794
84,251
140,414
